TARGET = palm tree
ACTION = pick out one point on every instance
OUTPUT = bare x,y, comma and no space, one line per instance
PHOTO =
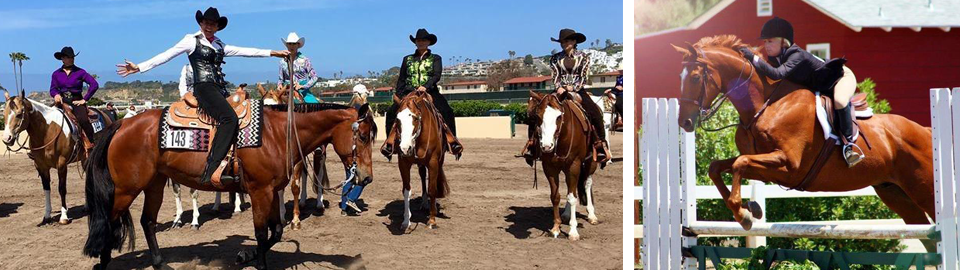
512,54
17,58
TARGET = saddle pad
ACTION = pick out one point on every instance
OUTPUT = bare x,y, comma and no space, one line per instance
198,139
825,123
95,120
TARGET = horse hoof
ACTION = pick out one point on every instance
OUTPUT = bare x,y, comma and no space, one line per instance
432,226
574,237
245,257
746,223
593,221
176,224
755,209
195,227
43,222
556,233
295,226
64,221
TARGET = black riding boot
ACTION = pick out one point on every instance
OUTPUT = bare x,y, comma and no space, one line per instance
844,126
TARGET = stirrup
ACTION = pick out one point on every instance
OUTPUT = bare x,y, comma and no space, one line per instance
852,154
387,150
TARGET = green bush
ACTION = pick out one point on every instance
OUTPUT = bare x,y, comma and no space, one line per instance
519,112
470,108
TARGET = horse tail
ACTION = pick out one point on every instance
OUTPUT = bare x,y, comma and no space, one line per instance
582,182
443,188
104,234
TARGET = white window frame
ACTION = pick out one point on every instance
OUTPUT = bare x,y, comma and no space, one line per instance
820,47
764,13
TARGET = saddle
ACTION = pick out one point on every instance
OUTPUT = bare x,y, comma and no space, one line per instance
186,113
861,110
578,111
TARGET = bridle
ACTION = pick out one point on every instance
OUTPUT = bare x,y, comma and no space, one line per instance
418,129
556,134
705,113
22,145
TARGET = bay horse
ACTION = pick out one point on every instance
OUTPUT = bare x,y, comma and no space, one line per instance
127,161
279,96
51,142
565,148
422,143
779,140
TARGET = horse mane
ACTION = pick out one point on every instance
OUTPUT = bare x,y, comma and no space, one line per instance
307,107
722,41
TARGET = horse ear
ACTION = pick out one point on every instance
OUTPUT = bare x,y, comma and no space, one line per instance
23,94
535,94
693,51
364,110
684,51
263,92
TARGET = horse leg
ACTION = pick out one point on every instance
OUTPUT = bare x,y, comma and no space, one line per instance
62,188
194,195
424,182
572,176
320,174
911,213
432,175
553,178
281,205
772,165
264,206
304,176
45,180
216,202
177,223
405,176
588,186
152,200
295,190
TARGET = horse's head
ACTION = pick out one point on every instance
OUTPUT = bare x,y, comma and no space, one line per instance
547,116
277,96
410,117
16,114
364,133
706,65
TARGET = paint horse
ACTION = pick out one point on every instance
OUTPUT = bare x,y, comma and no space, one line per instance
422,142
779,140
53,142
564,136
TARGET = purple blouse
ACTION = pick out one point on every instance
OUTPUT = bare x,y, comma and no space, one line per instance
61,83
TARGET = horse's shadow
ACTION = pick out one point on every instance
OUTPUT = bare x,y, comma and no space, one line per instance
307,210
77,212
394,211
523,219
7,209
222,254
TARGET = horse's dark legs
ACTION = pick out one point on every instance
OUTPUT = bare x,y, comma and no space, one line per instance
434,167
265,215
425,196
911,213
45,180
553,175
152,200
62,188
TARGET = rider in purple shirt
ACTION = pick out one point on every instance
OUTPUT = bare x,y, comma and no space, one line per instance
66,85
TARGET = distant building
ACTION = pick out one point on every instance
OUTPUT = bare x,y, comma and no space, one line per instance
382,91
606,79
527,83
463,87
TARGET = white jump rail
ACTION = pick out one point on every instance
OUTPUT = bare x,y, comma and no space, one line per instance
669,192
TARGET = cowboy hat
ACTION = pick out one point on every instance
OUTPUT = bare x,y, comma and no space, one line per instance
293,38
567,33
423,34
65,52
213,15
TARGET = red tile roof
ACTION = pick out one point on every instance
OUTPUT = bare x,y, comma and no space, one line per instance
465,83
383,89
528,79
611,73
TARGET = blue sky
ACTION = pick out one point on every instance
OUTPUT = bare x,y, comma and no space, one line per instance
349,36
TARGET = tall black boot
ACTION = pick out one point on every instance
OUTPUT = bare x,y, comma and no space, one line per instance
844,125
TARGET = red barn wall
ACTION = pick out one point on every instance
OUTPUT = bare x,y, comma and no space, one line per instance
904,64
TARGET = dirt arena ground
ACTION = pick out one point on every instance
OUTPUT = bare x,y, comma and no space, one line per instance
494,219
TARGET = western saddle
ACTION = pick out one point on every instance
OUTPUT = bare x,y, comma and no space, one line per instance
186,113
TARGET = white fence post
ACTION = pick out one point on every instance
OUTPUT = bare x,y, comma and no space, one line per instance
757,196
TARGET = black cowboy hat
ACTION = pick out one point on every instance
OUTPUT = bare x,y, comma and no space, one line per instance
567,33
423,34
66,51
213,15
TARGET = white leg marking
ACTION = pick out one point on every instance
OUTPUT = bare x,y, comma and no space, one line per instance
46,210
194,195
176,199
591,212
63,213
238,200
406,210
572,202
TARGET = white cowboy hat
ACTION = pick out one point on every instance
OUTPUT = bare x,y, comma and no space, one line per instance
360,89
293,38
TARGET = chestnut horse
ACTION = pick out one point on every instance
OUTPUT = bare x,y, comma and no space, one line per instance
565,148
780,143
128,161
421,143
51,143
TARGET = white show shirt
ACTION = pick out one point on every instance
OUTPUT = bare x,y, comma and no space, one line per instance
186,80
189,43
